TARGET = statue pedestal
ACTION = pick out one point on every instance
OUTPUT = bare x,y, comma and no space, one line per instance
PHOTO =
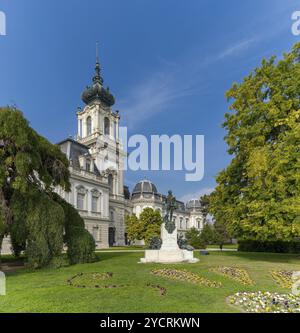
169,251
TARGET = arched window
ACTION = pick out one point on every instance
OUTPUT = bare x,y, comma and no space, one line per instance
95,201
110,183
106,126
80,200
88,126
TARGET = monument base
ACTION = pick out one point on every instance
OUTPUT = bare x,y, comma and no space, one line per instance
169,256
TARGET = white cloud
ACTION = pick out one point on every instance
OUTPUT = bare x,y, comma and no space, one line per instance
196,195
153,95
173,81
236,49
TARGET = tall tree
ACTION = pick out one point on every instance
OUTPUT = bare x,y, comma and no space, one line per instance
258,194
146,227
221,234
204,201
30,168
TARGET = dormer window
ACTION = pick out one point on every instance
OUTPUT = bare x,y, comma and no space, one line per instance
88,165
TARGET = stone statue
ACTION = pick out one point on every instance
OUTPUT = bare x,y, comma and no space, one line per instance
169,249
155,243
170,205
183,244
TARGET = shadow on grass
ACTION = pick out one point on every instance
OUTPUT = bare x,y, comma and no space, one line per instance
263,256
103,256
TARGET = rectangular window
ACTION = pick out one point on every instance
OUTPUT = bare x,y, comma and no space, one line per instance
80,201
95,233
95,204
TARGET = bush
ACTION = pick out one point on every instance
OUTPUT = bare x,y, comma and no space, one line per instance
44,225
277,246
58,262
194,239
80,243
81,246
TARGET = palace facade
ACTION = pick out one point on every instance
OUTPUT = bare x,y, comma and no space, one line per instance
96,159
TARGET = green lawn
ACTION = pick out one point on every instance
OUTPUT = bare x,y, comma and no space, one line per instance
123,248
47,290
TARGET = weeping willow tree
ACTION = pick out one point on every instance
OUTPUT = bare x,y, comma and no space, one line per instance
35,218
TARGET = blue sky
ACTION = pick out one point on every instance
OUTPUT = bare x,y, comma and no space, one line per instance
168,63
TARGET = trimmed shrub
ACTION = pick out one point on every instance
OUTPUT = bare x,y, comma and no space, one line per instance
80,243
276,246
44,224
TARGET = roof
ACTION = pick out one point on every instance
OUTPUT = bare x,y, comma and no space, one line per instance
74,150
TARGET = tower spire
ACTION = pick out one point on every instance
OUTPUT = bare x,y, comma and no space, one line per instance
97,52
97,77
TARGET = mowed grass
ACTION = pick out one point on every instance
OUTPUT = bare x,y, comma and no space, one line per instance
47,290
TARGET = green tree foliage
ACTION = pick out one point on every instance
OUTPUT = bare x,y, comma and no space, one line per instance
145,227
221,234
133,228
207,234
193,237
204,201
80,243
258,194
30,167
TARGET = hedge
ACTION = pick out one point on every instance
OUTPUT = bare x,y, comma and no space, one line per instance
277,246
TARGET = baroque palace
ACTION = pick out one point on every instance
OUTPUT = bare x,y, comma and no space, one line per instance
96,159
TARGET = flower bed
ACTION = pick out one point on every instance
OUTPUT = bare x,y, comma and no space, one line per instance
283,278
238,274
263,302
91,280
185,276
162,291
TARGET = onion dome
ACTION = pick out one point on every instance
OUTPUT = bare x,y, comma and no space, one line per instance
96,92
144,187
193,204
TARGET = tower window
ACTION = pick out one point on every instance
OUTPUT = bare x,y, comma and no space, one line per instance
106,126
110,183
88,126
80,128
